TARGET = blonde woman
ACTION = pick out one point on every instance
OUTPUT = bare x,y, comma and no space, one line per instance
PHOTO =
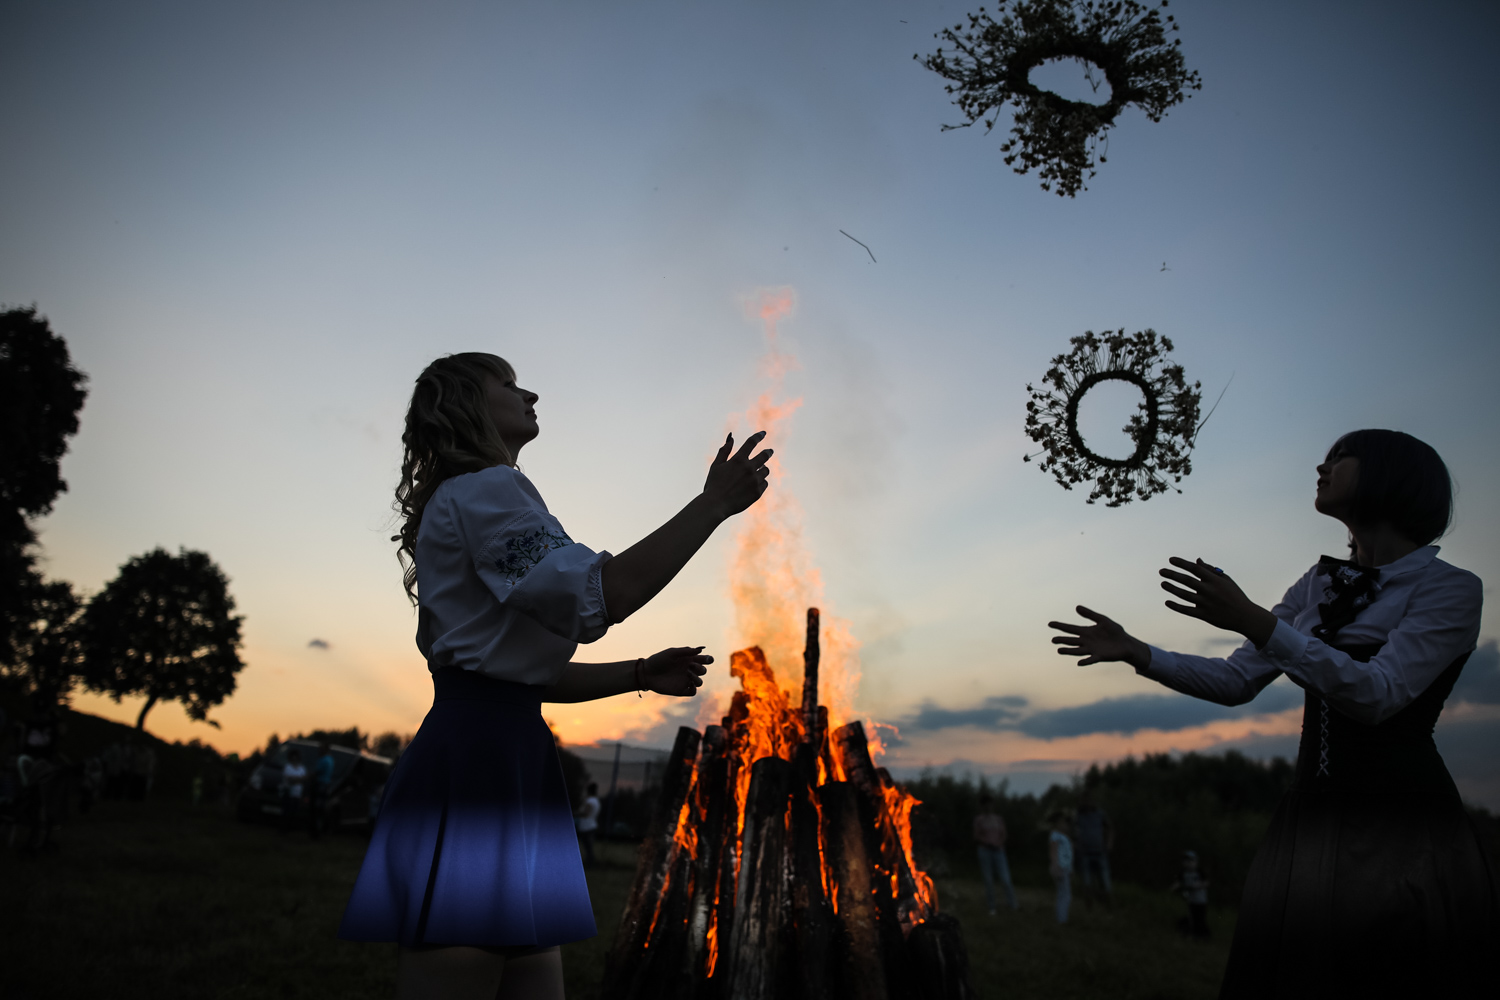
473,868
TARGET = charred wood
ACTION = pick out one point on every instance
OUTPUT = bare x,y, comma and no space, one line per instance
811,929
716,829
857,957
661,972
939,959
756,965
810,656
623,968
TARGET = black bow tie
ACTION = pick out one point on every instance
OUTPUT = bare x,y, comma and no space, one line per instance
1354,587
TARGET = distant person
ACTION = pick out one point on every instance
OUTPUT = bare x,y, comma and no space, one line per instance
115,759
588,822
1093,838
145,770
473,866
293,789
1373,834
133,772
1192,886
319,789
989,841
91,786
1060,863
41,735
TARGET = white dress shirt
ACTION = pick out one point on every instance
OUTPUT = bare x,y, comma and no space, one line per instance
501,588
1424,610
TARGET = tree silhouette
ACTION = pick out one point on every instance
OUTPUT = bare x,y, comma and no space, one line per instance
45,649
166,628
40,396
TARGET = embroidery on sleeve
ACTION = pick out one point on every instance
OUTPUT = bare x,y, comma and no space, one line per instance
526,550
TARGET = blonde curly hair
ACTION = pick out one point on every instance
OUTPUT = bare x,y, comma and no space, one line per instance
448,433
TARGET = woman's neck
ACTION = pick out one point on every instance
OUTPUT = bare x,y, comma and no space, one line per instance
1380,544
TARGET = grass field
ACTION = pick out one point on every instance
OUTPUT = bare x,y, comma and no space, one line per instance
158,900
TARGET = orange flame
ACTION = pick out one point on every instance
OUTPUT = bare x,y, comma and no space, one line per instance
772,582
773,579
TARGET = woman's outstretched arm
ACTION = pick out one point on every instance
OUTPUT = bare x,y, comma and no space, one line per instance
677,671
639,573
1105,641
1215,599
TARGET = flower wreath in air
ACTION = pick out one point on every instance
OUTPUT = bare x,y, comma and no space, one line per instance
1163,430
994,58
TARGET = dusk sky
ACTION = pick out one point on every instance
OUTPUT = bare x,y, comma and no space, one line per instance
254,224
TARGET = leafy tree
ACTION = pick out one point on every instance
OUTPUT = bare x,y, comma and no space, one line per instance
40,396
166,628
45,648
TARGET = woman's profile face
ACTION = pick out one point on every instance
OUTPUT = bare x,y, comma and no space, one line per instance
512,410
1338,479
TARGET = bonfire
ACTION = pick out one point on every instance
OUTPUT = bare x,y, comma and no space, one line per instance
779,864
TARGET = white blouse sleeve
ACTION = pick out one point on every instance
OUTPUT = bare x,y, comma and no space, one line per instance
527,560
1232,680
1440,624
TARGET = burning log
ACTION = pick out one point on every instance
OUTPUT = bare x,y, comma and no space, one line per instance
812,914
712,801
859,963
940,959
755,951
623,979
812,717
883,849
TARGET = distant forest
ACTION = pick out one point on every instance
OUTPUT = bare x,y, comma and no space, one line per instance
1159,805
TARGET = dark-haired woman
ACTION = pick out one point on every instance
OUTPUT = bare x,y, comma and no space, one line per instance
1371,881
473,867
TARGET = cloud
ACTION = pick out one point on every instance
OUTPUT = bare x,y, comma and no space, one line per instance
319,644
1479,684
1150,711
663,731
1126,716
992,713
1469,748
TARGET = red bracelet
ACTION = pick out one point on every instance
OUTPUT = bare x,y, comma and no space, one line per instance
640,685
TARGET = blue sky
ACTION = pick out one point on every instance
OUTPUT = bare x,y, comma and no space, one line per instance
254,224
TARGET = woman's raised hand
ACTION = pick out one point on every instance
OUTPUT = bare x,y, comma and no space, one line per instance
1102,642
735,482
1215,598
677,671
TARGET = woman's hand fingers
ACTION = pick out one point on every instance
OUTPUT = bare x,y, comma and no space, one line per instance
678,671
750,442
723,455
1065,627
1184,609
1094,616
1186,595
1183,578
1197,567
735,482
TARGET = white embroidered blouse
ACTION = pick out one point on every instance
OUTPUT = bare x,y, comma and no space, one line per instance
501,588
1426,612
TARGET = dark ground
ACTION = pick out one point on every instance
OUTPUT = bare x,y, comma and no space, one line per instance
160,900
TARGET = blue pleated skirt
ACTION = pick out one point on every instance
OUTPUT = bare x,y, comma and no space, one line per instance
475,843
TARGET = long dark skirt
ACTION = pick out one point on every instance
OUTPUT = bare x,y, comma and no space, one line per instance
1372,880
475,843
